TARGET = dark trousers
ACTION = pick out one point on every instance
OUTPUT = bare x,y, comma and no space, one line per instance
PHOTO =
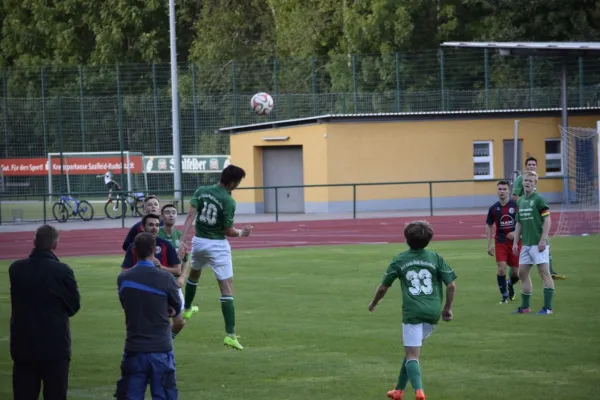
138,370
28,377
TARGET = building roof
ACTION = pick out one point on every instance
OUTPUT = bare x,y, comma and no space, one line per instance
534,48
404,116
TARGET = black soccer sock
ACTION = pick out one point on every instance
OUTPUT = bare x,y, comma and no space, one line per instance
514,279
502,285
190,293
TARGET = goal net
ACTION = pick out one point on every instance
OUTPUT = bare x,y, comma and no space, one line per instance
84,172
580,207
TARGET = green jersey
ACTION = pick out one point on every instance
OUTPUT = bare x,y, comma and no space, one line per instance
518,186
533,210
175,239
421,274
215,210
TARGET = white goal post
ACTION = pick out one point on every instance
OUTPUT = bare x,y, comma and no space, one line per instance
580,206
87,167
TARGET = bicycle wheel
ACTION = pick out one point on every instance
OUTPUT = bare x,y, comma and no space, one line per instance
139,207
85,210
114,208
60,212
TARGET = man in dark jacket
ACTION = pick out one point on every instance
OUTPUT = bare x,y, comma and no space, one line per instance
149,296
44,295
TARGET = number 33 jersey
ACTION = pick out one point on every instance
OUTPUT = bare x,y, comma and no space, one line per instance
215,209
421,274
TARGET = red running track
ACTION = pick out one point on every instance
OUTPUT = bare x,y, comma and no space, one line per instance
93,242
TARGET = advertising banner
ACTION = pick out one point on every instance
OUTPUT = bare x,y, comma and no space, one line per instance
72,165
189,164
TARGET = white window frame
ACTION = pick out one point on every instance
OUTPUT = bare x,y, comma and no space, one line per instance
489,159
554,157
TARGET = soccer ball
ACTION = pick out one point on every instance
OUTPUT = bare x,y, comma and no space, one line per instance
262,103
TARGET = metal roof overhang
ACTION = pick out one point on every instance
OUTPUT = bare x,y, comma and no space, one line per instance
548,49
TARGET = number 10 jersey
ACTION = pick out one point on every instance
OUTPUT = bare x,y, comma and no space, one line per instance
215,209
421,274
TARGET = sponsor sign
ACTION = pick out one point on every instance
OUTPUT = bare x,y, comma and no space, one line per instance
189,164
72,165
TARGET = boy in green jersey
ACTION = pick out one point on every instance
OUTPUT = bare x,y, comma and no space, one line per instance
517,192
533,224
422,275
169,232
212,210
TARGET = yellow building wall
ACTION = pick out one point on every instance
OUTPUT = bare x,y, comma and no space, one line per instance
432,151
246,152
411,151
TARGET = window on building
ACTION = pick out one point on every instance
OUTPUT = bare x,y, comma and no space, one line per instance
483,160
553,157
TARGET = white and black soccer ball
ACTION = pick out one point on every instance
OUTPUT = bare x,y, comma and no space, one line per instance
262,103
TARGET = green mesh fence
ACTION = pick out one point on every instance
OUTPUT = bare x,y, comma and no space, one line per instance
128,107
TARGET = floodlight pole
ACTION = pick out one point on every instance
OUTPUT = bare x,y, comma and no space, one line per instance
175,104
564,142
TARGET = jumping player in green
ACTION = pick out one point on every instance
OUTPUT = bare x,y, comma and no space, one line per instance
533,224
212,210
422,274
531,165
170,233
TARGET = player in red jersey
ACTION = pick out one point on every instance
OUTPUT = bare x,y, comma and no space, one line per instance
503,215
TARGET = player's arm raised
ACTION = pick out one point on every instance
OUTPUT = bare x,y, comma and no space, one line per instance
234,232
187,225
517,188
230,230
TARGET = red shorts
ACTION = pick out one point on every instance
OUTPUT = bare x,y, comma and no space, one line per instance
504,253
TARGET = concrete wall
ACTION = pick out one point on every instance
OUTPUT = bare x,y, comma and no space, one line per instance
399,151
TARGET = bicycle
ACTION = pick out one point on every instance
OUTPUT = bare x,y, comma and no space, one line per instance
69,206
117,207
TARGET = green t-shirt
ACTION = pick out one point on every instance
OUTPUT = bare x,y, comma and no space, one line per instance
518,186
421,274
215,209
175,239
533,210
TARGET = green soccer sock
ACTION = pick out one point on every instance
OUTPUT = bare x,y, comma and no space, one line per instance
548,295
403,378
190,293
550,264
525,300
413,369
228,314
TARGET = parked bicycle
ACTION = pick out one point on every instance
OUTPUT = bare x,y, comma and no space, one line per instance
117,207
69,206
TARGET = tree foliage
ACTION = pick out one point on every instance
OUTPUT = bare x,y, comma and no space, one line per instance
313,55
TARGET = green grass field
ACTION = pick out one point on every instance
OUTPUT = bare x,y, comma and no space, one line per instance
302,316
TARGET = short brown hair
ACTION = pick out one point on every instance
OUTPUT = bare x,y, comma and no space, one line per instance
148,198
418,234
503,182
46,237
149,216
144,245
162,210
530,159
